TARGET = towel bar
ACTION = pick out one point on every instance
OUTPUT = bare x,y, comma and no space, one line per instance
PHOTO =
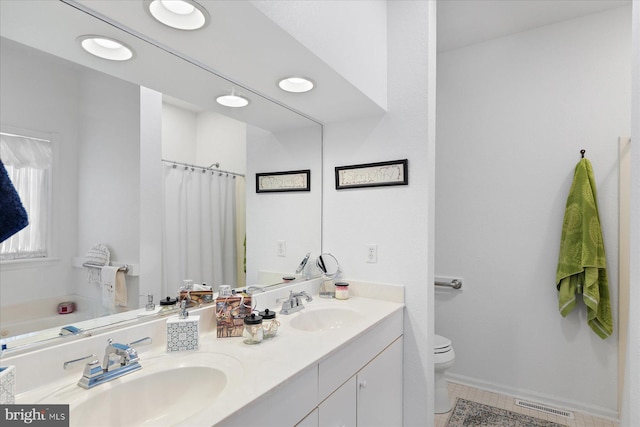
455,284
129,268
124,267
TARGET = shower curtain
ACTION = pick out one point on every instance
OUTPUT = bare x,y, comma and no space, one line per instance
199,228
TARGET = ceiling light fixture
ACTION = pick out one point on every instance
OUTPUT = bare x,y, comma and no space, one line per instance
296,84
106,47
179,14
233,101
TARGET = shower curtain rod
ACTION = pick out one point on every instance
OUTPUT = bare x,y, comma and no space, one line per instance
203,168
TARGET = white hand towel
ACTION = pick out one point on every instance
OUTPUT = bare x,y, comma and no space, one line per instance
108,285
121,289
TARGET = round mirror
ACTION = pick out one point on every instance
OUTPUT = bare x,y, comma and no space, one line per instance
328,265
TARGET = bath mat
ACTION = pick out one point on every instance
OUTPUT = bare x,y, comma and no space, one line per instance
473,414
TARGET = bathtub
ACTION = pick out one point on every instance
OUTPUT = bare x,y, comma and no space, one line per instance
26,320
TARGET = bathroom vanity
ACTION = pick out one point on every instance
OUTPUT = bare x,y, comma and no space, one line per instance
332,363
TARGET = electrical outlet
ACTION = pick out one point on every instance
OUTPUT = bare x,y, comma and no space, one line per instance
372,254
281,248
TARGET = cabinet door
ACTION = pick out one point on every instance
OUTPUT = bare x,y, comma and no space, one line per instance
339,409
380,389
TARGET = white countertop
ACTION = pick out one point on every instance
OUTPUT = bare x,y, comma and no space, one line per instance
262,367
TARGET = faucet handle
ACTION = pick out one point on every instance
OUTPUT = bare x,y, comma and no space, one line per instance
141,341
126,352
69,363
304,294
92,369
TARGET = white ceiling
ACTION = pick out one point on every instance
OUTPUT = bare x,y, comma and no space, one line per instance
255,59
465,22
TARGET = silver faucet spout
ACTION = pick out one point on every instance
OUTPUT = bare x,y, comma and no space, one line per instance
118,355
294,302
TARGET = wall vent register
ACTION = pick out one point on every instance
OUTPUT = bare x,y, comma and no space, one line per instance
544,408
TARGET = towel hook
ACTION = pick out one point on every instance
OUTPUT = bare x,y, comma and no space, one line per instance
582,152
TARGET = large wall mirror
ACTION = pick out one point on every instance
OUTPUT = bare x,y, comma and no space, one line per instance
140,149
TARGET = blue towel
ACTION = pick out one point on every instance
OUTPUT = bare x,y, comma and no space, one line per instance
13,216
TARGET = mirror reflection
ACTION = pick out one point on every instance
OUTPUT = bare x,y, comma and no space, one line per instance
329,266
109,184
204,202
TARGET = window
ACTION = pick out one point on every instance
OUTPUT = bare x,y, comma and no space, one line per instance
28,163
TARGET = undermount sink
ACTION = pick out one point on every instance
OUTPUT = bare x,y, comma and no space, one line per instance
167,390
322,319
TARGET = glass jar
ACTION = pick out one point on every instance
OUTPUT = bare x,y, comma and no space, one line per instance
187,285
342,290
269,323
253,332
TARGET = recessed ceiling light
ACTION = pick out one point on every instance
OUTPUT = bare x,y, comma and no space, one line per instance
179,14
106,48
233,101
296,84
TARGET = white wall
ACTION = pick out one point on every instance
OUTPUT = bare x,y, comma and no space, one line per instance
109,175
30,103
222,140
179,134
631,402
397,219
513,114
49,95
151,194
43,99
203,138
293,217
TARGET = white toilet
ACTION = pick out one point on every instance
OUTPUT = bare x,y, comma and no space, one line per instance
443,360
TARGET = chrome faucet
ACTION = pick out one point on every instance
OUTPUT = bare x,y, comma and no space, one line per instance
118,355
119,360
294,302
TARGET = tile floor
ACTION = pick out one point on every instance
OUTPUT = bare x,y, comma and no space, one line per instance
507,402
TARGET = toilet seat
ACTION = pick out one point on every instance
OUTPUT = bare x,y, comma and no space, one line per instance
441,344
443,359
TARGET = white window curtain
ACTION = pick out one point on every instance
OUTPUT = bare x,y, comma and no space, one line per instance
28,162
199,228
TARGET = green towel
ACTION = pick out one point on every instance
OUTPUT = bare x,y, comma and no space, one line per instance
582,266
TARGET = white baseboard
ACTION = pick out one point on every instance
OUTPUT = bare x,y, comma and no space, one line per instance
550,400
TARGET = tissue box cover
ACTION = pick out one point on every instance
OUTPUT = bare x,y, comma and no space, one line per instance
7,385
230,314
182,334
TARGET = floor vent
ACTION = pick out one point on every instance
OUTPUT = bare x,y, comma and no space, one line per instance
544,408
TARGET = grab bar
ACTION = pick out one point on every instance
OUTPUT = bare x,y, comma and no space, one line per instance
455,284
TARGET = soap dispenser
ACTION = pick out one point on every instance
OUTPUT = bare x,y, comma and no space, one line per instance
183,331
150,305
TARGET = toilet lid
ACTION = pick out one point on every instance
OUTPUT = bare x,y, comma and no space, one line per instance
441,344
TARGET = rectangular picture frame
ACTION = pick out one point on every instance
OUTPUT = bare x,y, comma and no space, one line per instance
277,182
394,172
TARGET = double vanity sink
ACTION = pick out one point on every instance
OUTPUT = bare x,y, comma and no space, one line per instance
226,381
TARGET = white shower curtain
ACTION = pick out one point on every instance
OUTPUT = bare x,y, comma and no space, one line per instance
199,228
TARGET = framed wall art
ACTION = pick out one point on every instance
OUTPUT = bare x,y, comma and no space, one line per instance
372,174
274,182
